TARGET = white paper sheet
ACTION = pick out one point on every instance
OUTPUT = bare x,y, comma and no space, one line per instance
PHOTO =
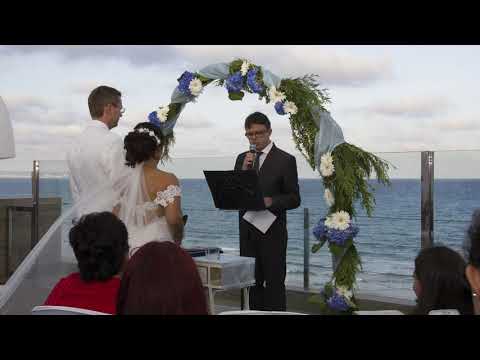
262,220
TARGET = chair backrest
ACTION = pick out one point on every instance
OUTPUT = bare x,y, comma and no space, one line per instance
378,312
63,310
257,312
444,312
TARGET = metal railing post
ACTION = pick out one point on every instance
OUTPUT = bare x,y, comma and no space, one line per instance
35,200
306,249
427,209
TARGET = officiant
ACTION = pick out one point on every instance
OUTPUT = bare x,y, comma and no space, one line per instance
277,171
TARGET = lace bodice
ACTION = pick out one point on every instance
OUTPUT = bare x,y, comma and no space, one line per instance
164,197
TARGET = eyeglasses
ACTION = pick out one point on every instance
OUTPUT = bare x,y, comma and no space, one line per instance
255,133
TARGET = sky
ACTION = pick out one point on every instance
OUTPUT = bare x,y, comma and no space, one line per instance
392,100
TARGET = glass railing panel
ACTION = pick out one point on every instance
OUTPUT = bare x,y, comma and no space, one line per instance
456,195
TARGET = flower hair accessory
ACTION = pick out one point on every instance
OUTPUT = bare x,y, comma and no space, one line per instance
150,133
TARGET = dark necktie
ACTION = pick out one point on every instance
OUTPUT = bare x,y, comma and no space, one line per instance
256,165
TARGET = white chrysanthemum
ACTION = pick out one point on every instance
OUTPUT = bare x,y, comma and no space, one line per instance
326,165
327,170
328,196
327,158
275,95
162,113
290,108
343,291
245,67
340,220
195,87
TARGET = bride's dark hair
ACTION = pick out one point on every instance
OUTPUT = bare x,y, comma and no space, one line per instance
141,146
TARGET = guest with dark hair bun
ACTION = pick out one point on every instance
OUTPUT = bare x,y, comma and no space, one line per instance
100,244
472,247
440,282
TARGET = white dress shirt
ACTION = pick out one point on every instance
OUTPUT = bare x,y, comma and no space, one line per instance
264,154
95,156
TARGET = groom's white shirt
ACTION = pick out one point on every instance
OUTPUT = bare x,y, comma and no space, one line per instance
94,157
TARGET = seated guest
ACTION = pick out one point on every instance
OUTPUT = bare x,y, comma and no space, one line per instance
473,258
161,279
440,282
100,244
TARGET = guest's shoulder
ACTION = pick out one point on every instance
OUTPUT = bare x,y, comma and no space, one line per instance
73,278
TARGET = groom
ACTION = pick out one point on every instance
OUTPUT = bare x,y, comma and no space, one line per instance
277,171
97,153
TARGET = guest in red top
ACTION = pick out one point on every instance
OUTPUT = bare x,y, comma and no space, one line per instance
100,244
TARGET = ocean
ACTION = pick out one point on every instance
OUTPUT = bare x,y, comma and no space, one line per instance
387,242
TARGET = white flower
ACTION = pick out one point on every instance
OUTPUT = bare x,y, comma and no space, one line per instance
275,95
327,169
195,87
328,222
340,220
326,165
244,68
150,133
290,108
327,158
162,113
328,196
343,291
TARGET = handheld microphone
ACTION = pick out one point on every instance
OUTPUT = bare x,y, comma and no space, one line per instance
253,150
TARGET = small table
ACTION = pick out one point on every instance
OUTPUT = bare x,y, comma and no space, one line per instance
220,272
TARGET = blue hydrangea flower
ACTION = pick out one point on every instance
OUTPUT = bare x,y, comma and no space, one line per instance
339,237
252,81
184,83
234,82
338,302
320,230
153,119
279,108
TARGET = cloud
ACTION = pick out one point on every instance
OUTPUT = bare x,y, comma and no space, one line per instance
334,65
19,104
413,107
193,122
135,54
84,88
457,125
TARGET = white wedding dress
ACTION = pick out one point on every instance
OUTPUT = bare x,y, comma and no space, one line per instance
149,226
140,213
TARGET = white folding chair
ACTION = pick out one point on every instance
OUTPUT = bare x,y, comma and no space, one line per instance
378,312
257,312
63,310
444,312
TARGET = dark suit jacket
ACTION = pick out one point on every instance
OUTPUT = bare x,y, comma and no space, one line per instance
279,180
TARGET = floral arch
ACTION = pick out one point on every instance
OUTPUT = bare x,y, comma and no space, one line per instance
343,167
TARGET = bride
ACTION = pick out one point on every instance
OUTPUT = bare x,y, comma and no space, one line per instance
149,200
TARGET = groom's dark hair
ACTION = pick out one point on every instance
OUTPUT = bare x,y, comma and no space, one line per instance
101,97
